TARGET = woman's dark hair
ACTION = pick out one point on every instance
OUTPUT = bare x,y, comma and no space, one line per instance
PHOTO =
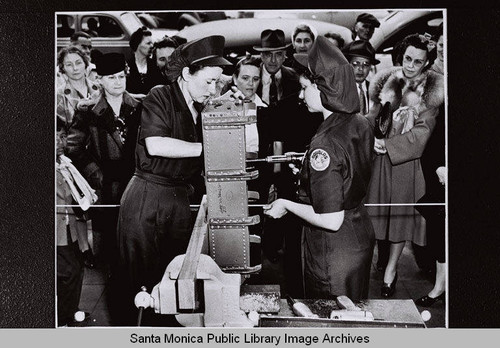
418,41
137,36
168,41
248,60
304,72
336,37
67,50
194,68
303,28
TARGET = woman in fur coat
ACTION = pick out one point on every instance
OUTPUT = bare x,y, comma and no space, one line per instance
415,95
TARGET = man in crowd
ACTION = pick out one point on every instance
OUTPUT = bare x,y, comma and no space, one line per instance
163,49
361,55
284,126
365,27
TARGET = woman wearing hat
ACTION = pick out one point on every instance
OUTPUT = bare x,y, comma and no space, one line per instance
101,140
338,237
155,220
415,95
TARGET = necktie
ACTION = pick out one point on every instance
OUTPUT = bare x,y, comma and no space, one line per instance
362,99
273,91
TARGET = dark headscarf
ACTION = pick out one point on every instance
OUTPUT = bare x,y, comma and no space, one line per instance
333,75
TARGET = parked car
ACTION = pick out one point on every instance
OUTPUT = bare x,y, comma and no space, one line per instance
110,31
178,20
243,33
399,24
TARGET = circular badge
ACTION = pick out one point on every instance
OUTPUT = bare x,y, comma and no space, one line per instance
320,160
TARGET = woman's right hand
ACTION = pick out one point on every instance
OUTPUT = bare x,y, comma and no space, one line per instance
276,209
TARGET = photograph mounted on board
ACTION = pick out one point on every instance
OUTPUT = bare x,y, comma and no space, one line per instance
251,168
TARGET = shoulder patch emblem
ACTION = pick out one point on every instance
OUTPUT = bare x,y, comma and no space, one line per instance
320,160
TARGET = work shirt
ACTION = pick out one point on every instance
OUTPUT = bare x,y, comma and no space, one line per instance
335,163
166,114
334,177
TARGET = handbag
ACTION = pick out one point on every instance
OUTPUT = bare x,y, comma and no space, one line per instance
383,121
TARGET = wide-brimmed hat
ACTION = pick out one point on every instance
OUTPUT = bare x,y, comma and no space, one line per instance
361,48
332,74
368,18
207,51
272,40
110,63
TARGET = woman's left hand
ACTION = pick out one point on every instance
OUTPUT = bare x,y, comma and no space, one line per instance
379,146
276,209
233,93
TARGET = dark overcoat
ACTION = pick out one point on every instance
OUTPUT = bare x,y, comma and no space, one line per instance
98,151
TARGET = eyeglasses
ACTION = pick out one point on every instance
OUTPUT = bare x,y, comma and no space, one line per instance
360,64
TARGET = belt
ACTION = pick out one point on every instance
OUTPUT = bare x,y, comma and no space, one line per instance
160,180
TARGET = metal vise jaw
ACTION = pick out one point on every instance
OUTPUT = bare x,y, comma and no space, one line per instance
219,305
223,123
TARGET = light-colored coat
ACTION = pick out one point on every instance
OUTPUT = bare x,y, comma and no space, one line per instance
397,175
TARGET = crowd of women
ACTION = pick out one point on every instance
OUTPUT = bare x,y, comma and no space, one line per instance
132,129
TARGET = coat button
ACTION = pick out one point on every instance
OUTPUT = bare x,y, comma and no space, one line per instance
67,91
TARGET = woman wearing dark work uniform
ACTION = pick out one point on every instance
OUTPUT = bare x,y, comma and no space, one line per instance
337,234
155,220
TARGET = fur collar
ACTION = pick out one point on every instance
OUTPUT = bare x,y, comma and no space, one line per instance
392,86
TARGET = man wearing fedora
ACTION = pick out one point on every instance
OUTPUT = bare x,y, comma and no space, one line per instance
278,81
364,27
361,56
284,126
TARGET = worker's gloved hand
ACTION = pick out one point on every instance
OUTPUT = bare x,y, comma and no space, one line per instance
276,209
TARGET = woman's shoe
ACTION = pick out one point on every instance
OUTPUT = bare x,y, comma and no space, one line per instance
388,290
427,301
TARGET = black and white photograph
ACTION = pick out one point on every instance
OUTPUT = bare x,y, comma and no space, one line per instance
258,173
251,168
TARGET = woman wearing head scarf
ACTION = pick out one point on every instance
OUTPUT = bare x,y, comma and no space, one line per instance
154,222
337,234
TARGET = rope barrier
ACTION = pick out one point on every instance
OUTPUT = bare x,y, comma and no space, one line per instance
196,206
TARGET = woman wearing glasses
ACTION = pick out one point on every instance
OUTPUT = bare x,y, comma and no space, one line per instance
415,95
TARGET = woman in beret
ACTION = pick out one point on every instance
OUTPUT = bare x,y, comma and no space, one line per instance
154,222
415,95
337,234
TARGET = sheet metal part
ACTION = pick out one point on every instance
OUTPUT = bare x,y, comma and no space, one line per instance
223,124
